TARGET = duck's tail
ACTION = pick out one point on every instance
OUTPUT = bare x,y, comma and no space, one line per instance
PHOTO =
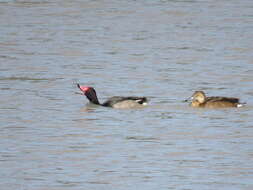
241,104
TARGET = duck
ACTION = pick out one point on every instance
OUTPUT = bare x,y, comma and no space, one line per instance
199,99
120,102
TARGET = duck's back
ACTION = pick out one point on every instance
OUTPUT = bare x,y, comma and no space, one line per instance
220,102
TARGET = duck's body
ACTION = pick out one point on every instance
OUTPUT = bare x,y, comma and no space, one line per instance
120,102
125,102
199,99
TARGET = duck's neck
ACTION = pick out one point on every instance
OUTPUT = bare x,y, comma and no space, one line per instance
94,100
92,96
195,104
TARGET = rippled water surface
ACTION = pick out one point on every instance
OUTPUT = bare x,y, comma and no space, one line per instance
51,139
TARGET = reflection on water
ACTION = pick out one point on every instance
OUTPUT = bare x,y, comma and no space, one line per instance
51,138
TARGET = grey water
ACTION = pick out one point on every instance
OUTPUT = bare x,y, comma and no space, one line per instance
51,138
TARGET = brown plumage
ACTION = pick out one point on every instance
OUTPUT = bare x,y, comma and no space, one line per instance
199,99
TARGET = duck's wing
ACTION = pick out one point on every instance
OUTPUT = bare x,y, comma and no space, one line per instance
116,99
225,99
139,100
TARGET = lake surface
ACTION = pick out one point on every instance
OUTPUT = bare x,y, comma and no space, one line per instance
52,139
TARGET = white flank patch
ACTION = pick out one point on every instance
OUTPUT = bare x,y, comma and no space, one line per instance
144,103
239,105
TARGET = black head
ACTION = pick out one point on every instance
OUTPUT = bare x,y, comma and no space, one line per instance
90,93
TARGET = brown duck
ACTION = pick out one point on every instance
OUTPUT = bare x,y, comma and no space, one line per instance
199,99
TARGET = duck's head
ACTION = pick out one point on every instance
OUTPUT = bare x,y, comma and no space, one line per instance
198,96
89,92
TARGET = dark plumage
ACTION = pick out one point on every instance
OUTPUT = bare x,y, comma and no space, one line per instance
115,101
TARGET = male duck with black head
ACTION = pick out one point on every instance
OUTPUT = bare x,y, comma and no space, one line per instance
199,99
120,102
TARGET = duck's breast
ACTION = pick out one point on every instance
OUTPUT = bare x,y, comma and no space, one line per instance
195,104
